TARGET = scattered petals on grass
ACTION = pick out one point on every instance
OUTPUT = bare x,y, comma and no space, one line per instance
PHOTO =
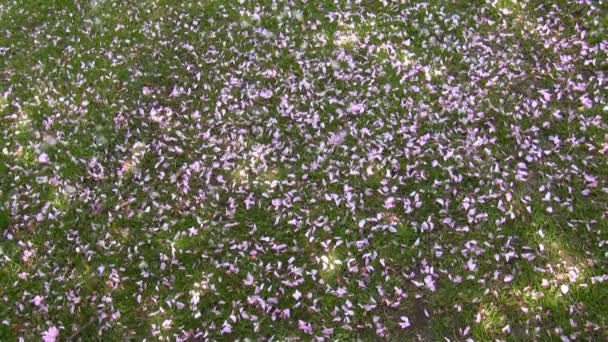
279,170
50,335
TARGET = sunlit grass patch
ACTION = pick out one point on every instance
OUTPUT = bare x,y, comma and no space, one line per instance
331,264
508,7
346,39
491,318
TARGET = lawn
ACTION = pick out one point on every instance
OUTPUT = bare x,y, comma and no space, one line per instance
303,170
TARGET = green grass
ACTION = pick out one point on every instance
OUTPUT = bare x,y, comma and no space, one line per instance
156,136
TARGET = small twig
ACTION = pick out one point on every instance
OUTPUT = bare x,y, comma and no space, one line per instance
75,334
